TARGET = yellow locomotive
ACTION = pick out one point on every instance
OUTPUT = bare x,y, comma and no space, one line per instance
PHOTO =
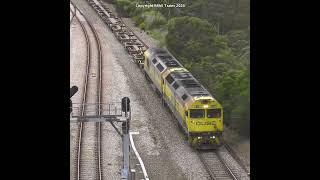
198,113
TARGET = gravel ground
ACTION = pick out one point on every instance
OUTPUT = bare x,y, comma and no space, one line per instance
141,34
213,162
241,147
160,143
232,164
77,68
88,151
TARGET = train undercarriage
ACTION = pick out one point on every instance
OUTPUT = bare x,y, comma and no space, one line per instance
205,140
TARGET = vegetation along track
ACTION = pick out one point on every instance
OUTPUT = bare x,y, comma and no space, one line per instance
85,166
213,160
236,157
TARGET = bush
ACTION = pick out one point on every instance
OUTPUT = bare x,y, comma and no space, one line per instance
153,19
159,35
219,61
125,7
142,26
192,37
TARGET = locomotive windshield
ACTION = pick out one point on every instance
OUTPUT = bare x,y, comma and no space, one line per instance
196,113
214,113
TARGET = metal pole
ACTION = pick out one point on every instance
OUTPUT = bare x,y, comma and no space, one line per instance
133,174
126,146
126,159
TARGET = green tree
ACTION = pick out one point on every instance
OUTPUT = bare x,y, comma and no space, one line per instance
124,7
211,38
193,37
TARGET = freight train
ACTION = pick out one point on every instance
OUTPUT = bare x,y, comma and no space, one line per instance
199,114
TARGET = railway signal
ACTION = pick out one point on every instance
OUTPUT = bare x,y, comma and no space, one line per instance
125,107
73,91
125,104
113,114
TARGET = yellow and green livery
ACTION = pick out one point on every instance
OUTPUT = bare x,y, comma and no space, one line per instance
198,113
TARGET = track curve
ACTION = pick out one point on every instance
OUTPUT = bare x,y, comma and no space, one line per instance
81,164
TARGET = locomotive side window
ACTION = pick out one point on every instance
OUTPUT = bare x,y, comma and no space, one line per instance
169,79
160,67
184,97
214,113
197,113
154,61
175,85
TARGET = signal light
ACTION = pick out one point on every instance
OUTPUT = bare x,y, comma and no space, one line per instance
73,90
125,104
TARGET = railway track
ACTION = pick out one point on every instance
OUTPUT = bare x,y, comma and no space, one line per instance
132,43
215,163
215,167
88,159
144,44
73,14
236,157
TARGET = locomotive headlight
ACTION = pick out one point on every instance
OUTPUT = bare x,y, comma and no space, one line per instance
212,137
205,106
199,137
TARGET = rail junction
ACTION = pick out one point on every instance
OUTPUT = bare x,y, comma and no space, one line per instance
91,113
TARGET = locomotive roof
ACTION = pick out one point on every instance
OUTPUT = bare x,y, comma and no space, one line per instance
189,83
183,79
166,58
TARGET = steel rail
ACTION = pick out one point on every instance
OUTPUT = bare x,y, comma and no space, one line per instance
85,94
236,157
211,169
134,33
84,97
206,166
99,99
73,15
226,167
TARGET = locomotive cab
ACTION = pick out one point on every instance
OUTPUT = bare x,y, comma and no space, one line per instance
205,126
